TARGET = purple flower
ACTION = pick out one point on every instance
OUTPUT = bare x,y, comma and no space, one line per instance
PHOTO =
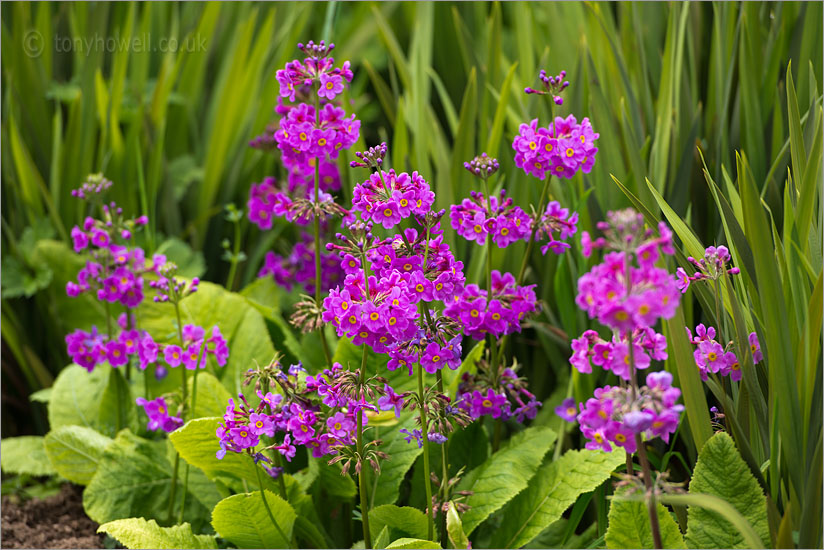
158,414
391,400
567,409
755,348
414,434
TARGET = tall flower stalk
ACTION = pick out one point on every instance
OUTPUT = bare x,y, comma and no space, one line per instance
628,293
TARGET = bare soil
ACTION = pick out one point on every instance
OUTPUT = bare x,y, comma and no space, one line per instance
54,522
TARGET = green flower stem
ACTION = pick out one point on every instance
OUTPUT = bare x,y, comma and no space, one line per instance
230,280
266,505
364,500
444,476
316,229
281,483
430,530
173,490
185,394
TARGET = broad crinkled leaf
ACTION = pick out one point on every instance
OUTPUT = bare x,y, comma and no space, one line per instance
198,445
240,323
75,452
243,520
117,408
139,533
25,455
75,397
133,479
554,488
629,525
401,520
402,456
212,396
721,471
504,474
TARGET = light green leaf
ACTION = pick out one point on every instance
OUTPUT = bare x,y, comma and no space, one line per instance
412,543
139,533
25,455
76,396
454,528
504,474
133,479
117,408
721,471
243,521
75,451
197,444
554,488
239,322
212,396
402,456
402,520
629,525
41,396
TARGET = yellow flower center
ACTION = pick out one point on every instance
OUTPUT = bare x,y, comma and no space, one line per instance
486,403
570,151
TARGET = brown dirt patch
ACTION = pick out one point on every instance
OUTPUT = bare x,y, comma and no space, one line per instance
54,522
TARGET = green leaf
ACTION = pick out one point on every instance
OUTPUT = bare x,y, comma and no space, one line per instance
402,521
117,408
504,474
133,479
75,451
469,364
197,444
243,521
629,525
402,456
721,471
239,322
212,396
41,396
139,533
25,455
76,397
333,483
554,488
412,543
454,528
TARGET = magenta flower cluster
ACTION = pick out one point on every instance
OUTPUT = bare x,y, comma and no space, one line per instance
620,295
712,357
114,272
499,314
267,201
558,225
298,268
617,414
615,355
316,67
562,149
158,412
318,416
477,217
89,349
195,346
387,198
712,266
509,400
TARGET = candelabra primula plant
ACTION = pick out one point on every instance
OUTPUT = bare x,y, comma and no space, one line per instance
379,273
